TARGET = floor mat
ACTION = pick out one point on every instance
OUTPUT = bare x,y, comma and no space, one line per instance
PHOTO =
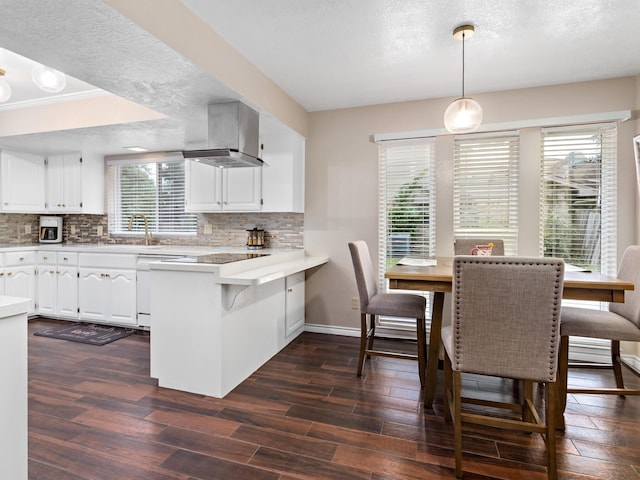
90,333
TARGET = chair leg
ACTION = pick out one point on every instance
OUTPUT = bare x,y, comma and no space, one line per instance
457,421
527,398
447,388
422,349
551,404
616,363
372,331
562,381
363,341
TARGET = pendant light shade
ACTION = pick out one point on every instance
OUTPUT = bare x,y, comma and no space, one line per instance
48,79
464,115
5,88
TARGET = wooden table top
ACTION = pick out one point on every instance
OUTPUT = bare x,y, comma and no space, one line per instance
577,285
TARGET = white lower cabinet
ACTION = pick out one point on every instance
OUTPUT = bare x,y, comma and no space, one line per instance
108,295
107,288
58,284
19,274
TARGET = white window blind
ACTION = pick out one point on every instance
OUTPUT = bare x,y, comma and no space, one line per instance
153,187
485,191
578,198
406,216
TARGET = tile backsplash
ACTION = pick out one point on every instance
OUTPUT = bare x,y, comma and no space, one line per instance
282,230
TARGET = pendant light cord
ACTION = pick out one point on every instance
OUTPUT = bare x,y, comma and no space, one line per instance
463,35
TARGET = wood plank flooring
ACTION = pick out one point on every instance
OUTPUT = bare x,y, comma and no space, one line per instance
94,413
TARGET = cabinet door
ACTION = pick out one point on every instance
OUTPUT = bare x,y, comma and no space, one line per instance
294,307
67,298
122,301
203,187
21,282
22,182
55,183
242,189
47,290
283,179
93,294
64,183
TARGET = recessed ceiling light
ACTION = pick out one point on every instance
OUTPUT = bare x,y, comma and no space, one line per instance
137,149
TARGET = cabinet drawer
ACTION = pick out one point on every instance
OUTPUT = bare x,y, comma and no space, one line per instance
67,258
47,258
107,260
19,258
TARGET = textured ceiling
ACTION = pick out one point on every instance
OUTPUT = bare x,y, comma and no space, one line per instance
340,53
324,53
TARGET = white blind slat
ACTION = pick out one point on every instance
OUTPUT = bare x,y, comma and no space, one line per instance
485,191
155,189
578,197
406,213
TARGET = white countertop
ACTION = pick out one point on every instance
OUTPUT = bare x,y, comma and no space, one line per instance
10,306
275,264
254,271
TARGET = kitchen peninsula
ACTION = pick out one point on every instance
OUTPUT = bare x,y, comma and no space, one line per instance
215,321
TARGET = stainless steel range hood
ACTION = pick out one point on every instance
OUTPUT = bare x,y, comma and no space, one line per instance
233,137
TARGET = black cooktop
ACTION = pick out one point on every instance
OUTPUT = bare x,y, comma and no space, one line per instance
217,258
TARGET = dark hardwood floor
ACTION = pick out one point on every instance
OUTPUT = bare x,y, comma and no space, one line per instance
94,413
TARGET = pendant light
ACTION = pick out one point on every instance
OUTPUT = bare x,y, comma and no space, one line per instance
48,79
464,115
5,88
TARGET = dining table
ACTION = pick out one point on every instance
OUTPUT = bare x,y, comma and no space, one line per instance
436,275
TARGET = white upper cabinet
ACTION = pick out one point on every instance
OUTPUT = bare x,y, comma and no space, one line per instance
242,189
32,184
22,182
212,189
65,176
283,173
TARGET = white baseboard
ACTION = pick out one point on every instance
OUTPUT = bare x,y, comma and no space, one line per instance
632,361
331,330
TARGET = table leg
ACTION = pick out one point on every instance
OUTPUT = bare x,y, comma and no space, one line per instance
434,349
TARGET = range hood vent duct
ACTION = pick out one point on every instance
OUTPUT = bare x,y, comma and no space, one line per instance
233,137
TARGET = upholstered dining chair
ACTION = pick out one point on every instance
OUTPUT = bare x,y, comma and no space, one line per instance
373,304
464,246
620,323
505,323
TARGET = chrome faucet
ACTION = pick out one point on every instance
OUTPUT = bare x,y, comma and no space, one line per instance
147,235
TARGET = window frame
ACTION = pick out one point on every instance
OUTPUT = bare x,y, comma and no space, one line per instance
117,220
499,154
427,243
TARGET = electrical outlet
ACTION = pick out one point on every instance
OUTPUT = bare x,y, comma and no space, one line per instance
355,303
27,229
72,229
208,229
99,230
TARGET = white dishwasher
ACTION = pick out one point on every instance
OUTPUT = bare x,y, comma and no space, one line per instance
143,287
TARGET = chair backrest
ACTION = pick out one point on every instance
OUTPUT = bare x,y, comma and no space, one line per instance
630,271
506,316
464,246
366,278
